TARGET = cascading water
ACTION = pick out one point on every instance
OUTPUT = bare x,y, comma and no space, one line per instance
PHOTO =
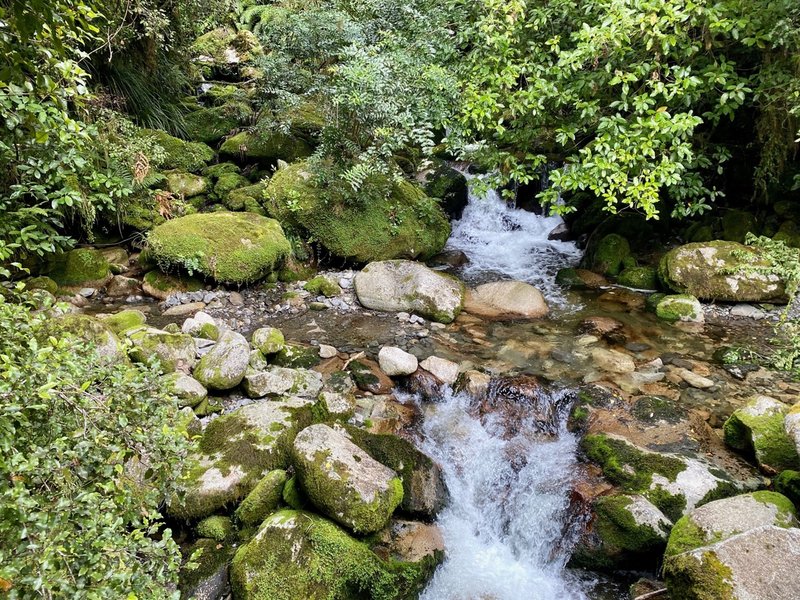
507,528
505,242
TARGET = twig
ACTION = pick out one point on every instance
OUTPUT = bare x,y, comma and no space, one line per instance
651,594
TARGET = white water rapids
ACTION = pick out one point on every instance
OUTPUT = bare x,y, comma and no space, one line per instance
506,243
506,529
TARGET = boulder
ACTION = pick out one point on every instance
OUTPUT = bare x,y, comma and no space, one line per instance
205,577
448,186
210,125
263,500
178,154
344,482
186,185
369,377
268,340
401,285
188,390
410,542
82,267
174,351
758,429
95,332
680,307
235,452
444,370
317,560
266,147
224,366
337,405
395,219
613,361
609,255
228,247
279,380
394,361
121,286
162,285
791,425
720,270
506,300
124,320
324,286
296,356
640,278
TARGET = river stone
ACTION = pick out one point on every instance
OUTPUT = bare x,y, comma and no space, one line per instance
394,361
506,300
715,271
445,370
410,541
369,377
174,351
199,324
79,268
186,184
279,380
758,428
758,564
326,351
268,340
189,391
721,519
404,285
235,452
315,559
344,482
338,405
680,307
791,425
224,366
122,286
612,361
181,310
124,320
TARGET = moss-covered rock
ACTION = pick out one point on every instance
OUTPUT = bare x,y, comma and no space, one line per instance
234,454
179,155
609,254
680,307
268,340
424,489
263,500
41,283
448,186
300,555
227,182
274,380
224,366
94,331
640,278
788,233
205,577
672,483
296,356
174,351
228,247
248,198
186,184
124,320
758,429
188,390
265,147
344,482
720,270
788,484
82,267
404,223
216,527
323,285
209,125
162,285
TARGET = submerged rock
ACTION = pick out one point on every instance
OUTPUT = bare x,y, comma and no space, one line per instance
680,307
506,300
343,481
401,285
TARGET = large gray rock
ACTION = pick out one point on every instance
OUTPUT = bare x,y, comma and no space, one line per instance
506,300
394,361
224,366
279,380
343,481
189,391
719,270
403,285
235,452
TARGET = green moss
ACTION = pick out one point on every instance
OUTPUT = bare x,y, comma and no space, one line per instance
263,500
618,529
686,535
762,436
265,147
124,320
208,331
208,406
247,198
209,125
80,267
300,555
202,559
228,182
295,356
180,155
172,350
642,278
651,409
568,277
702,578
268,340
788,484
787,514
164,284
41,283
293,496
94,331
607,258
323,285
681,307
186,185
396,220
672,505
217,528
229,247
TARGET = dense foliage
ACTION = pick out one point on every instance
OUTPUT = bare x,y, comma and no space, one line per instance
88,449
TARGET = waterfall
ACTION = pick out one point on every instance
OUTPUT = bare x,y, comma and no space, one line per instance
507,528
502,242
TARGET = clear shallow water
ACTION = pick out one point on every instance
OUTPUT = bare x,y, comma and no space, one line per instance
506,243
507,529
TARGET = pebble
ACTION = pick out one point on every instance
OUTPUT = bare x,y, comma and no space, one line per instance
748,311
184,309
326,351
693,379
236,299
345,283
87,292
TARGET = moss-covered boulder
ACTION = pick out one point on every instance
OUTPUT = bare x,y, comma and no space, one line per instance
789,234
174,351
234,454
297,356
735,548
225,53
228,182
758,429
224,366
249,198
210,125
344,482
263,500
205,577
674,484
162,285
94,331
178,154
640,278
402,223
627,531
188,390
216,527
41,283
274,380
788,484
791,425
124,320
323,285
268,340
82,267
301,555
228,247
448,186
721,270
679,307
424,488
402,285
608,256
265,147
186,184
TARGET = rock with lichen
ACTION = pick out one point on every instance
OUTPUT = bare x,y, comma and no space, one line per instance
224,366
